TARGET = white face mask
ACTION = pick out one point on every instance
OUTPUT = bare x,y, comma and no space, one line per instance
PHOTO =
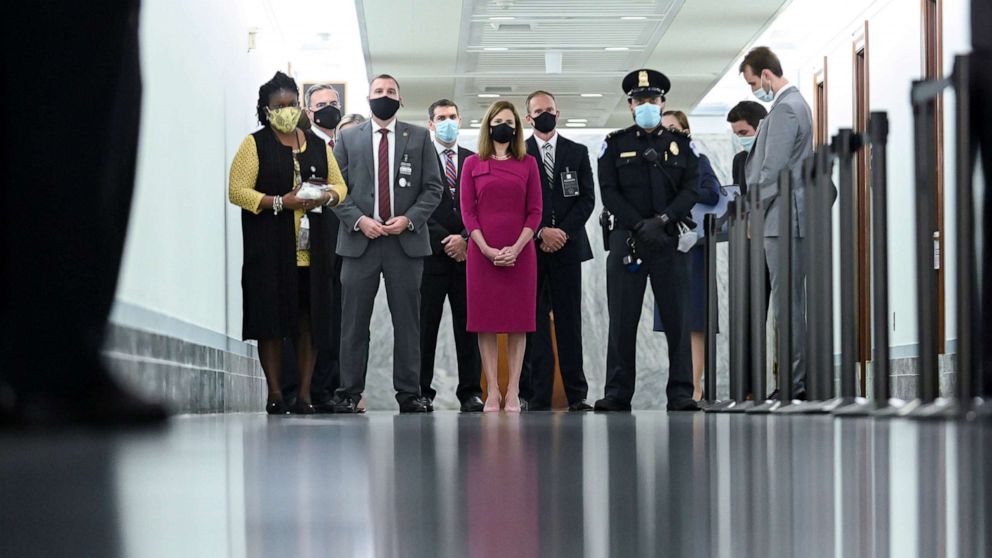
687,238
747,142
762,95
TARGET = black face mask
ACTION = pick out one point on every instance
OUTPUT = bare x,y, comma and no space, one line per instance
502,133
545,122
384,108
327,117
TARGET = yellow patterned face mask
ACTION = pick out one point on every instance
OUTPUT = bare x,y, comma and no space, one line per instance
284,119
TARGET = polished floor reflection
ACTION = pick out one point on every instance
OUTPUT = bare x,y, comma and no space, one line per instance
535,485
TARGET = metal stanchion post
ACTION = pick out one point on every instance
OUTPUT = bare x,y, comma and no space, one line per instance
709,372
881,403
923,96
814,391
784,302
965,400
846,143
819,245
759,336
738,308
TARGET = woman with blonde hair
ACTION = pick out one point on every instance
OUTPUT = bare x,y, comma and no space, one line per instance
501,208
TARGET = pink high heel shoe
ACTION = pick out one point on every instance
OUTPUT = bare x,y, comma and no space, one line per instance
492,403
512,404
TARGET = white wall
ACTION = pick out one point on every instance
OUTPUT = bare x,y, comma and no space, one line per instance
895,59
183,254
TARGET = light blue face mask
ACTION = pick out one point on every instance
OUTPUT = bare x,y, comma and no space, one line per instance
762,95
647,116
446,130
747,142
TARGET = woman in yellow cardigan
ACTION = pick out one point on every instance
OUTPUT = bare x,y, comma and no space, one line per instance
286,277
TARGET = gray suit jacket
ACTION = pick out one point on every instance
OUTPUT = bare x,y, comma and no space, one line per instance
416,201
785,139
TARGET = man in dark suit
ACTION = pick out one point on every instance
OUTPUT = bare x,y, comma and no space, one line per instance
744,119
569,198
444,269
394,186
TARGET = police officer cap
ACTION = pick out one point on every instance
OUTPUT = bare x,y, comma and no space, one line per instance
646,83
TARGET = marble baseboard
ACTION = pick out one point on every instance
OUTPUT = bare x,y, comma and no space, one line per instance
189,377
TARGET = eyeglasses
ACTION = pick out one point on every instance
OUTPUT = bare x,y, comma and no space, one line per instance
321,105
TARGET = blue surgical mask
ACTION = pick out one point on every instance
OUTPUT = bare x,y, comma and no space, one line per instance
747,142
762,95
446,130
647,116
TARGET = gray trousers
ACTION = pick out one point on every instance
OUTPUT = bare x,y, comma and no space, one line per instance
359,285
798,306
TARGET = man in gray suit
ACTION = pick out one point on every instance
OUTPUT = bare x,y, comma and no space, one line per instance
785,139
394,184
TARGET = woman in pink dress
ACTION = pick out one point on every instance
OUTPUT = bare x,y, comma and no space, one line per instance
501,209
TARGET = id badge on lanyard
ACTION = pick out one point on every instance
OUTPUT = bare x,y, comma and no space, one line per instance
303,241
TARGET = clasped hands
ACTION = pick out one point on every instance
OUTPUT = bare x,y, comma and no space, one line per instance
374,229
292,202
504,257
653,233
552,239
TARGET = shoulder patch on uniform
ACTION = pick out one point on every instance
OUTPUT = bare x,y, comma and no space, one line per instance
692,146
602,149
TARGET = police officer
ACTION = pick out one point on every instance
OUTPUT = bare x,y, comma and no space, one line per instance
650,180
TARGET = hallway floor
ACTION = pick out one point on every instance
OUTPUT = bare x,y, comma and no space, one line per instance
534,485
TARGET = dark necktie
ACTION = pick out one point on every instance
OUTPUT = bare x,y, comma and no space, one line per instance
449,171
384,213
549,164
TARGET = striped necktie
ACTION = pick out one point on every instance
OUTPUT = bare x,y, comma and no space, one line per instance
450,172
549,163
384,211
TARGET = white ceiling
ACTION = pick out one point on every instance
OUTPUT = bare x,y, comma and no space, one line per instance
461,49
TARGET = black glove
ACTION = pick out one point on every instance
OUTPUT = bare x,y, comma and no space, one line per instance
651,234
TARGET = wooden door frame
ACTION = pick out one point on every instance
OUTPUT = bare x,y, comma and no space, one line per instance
821,112
932,61
861,109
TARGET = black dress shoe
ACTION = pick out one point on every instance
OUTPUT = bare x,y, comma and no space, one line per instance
429,403
324,407
473,404
301,407
413,405
580,406
344,404
277,407
686,405
524,405
611,406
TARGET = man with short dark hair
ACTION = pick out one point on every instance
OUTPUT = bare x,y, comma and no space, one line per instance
569,198
444,269
392,173
784,141
744,119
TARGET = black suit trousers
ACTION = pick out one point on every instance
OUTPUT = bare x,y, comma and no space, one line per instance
434,289
669,275
559,290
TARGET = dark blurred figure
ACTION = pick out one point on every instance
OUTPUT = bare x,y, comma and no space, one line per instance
981,21
67,202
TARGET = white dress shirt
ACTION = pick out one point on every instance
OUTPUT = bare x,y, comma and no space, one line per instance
444,158
540,145
320,134
376,138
